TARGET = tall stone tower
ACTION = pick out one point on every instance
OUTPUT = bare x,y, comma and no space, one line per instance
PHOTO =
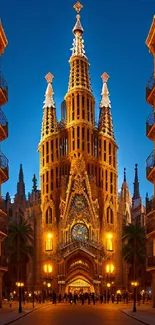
81,245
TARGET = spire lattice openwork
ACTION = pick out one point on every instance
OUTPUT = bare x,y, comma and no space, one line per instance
79,72
105,118
49,122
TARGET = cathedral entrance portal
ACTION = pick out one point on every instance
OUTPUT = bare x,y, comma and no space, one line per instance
80,286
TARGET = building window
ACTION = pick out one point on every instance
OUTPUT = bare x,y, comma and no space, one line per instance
110,218
109,242
57,148
83,110
78,107
78,137
52,156
57,177
105,150
51,179
49,215
83,132
88,141
110,158
88,112
106,180
49,243
111,182
73,139
73,107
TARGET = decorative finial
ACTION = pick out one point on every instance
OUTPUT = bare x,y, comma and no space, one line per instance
105,77
78,6
49,101
49,77
105,101
125,175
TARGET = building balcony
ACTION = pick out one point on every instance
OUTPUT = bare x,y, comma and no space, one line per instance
150,167
90,247
151,263
150,126
3,264
150,91
3,90
4,168
3,126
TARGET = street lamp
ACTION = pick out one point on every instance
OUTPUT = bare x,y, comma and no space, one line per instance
47,270
134,284
20,285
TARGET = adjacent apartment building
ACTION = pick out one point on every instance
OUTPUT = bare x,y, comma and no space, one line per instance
150,164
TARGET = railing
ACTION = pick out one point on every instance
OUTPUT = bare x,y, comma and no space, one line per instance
91,246
3,161
151,261
150,121
3,84
150,85
150,163
3,261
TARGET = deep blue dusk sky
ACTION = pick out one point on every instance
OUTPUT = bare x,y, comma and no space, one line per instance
40,37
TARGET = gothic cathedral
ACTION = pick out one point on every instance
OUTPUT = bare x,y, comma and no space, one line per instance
79,243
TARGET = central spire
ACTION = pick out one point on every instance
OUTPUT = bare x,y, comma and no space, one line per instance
79,73
78,42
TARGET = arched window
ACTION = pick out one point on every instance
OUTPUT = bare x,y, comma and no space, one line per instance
110,215
49,215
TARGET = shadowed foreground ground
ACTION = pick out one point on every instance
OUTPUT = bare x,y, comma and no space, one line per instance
77,315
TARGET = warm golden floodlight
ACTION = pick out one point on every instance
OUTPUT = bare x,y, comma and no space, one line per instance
109,268
47,268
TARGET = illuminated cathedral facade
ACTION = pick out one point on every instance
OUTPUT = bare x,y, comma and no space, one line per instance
77,216
78,173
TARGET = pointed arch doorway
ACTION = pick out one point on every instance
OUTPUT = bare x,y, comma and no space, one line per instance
79,285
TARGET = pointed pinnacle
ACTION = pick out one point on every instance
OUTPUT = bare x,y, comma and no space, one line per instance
125,175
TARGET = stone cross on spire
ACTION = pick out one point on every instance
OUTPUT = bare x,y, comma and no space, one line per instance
49,101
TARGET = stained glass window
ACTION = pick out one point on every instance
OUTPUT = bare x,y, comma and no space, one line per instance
80,232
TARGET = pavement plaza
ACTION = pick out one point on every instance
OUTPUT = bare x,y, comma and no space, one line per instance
66,314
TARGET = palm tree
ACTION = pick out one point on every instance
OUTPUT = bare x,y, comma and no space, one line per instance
20,244
134,245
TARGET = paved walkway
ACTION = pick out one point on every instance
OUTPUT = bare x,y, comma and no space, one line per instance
66,314
9,314
145,313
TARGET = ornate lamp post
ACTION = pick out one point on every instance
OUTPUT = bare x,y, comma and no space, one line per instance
20,285
134,284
